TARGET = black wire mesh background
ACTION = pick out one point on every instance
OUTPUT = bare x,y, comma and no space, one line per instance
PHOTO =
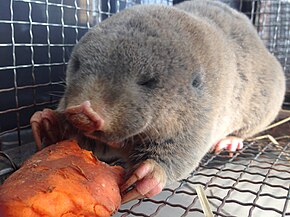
36,39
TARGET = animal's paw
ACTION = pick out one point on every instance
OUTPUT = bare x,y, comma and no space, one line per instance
230,143
46,125
147,180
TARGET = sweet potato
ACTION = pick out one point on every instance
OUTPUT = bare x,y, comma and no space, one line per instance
62,180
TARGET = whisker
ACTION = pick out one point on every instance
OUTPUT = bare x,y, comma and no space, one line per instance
57,91
51,94
147,137
153,129
141,138
61,84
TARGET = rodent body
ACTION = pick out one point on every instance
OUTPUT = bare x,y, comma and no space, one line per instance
169,82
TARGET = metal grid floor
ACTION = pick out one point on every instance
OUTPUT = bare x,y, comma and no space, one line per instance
254,182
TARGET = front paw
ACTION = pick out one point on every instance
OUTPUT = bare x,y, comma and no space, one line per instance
46,125
147,180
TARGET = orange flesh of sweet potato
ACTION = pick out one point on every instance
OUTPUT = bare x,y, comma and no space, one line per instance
62,180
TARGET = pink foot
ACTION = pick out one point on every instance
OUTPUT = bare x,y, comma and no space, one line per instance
230,143
149,179
84,117
46,124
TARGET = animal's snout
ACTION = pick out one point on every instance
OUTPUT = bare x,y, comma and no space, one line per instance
84,117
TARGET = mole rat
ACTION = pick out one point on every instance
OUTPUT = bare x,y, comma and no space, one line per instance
159,86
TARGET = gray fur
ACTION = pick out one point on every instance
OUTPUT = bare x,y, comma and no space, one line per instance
214,78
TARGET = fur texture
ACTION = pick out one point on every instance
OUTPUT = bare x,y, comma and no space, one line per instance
172,81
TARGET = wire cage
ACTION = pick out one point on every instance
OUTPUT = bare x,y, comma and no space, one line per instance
36,39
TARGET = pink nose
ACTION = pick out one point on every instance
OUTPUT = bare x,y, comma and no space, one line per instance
84,117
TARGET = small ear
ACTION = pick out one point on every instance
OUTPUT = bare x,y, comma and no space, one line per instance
196,81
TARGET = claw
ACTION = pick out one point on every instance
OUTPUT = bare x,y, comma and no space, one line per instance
230,143
45,124
36,129
131,195
147,180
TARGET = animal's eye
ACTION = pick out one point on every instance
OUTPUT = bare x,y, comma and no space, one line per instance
76,64
196,81
149,82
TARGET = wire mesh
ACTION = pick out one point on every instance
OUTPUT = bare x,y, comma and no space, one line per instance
254,182
36,39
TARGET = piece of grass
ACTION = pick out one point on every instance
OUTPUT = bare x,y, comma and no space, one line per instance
268,136
203,201
283,121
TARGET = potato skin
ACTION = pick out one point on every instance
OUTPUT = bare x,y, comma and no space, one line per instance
62,180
